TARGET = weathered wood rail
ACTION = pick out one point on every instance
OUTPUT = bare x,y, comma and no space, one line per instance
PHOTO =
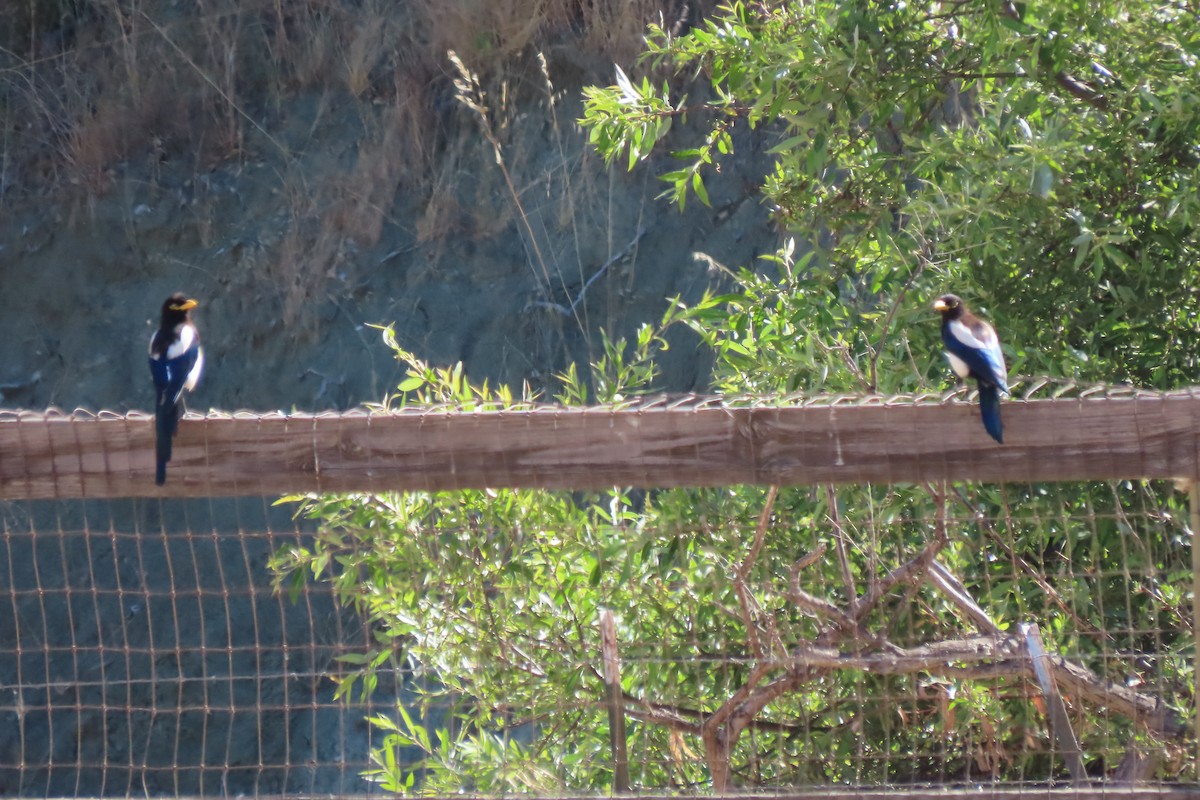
52,455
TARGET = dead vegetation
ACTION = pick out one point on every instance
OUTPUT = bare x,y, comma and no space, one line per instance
87,84
94,91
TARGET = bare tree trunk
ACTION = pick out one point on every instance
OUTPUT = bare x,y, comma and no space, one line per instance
716,752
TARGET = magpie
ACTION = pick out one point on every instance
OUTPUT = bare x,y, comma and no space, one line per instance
974,352
176,359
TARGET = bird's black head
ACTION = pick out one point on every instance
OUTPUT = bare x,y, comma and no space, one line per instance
950,306
175,309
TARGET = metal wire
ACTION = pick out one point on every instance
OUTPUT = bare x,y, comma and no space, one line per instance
143,650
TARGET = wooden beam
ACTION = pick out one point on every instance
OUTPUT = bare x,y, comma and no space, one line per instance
1100,790
52,455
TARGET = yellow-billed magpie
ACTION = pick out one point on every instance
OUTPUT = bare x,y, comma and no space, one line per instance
176,359
974,352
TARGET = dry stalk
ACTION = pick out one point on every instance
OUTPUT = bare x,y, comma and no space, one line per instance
840,539
470,93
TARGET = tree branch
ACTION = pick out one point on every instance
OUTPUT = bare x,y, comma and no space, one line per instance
991,657
957,594
908,572
839,538
639,710
745,600
1082,90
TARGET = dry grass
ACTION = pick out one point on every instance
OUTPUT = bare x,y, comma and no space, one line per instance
201,84
614,28
486,32
442,214
369,44
306,256
89,85
133,119
398,148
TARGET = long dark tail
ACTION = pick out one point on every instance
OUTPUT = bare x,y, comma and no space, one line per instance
989,409
166,420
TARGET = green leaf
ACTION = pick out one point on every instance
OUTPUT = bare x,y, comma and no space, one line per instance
411,383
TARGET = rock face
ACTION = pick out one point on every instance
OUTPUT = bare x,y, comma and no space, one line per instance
291,259
143,647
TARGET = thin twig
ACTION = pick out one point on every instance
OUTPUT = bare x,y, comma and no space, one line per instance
877,350
957,593
569,310
641,231
745,601
839,538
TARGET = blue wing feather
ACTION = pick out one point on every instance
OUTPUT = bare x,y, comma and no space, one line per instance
978,347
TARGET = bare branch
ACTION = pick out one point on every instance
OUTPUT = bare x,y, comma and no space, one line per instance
908,572
721,730
926,657
760,533
726,709
1078,680
680,717
1082,90
745,600
991,657
659,716
839,538
957,594
808,559
818,607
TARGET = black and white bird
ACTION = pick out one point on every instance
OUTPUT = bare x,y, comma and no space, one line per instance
974,352
176,359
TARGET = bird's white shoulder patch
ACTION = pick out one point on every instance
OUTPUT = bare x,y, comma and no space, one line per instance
194,375
961,332
187,338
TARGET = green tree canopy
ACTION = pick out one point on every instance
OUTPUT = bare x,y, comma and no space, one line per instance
1038,159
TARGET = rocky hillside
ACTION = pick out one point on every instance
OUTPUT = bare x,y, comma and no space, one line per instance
308,169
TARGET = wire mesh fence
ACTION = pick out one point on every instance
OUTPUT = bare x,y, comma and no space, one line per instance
144,652
871,635
157,660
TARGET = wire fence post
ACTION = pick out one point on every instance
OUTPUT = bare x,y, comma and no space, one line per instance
616,702
1060,722
1194,513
